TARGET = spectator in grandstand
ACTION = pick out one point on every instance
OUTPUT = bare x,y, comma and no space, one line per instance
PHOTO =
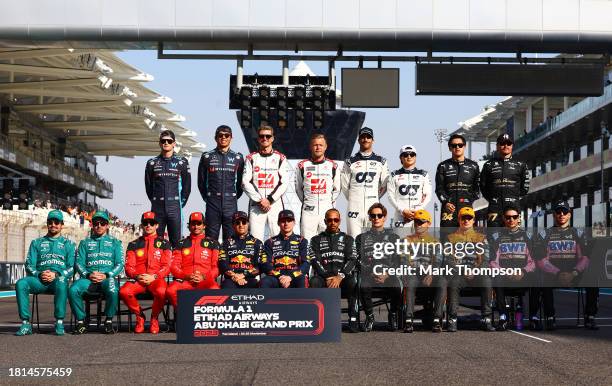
317,185
99,261
427,254
240,256
513,247
286,260
503,181
49,266
334,259
168,185
194,261
476,256
409,188
564,261
456,184
147,264
220,183
372,274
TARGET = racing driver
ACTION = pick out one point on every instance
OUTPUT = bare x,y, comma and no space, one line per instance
147,264
286,260
364,180
195,261
240,256
317,184
334,259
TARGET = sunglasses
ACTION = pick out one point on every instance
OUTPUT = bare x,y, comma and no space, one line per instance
265,136
54,222
225,135
99,223
196,223
240,222
148,223
332,220
507,143
166,141
512,217
468,217
456,145
376,215
409,154
562,211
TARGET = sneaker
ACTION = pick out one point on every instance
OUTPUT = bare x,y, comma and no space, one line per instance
25,329
436,326
154,328
486,325
108,327
550,323
140,324
590,323
392,321
408,327
535,324
353,325
369,322
59,327
452,325
80,328
502,325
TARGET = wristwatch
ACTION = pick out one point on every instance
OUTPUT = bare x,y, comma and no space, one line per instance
575,273
341,275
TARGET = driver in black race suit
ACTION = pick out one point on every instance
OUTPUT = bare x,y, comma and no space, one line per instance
364,180
334,259
456,184
503,181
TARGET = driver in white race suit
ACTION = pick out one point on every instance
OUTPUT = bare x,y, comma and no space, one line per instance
364,180
265,179
317,184
409,188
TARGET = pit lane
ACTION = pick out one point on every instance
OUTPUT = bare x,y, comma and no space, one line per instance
570,355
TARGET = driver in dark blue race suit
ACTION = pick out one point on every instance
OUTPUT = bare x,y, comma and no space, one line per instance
168,184
286,262
240,256
220,183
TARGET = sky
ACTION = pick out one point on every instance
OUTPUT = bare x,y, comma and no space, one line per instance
199,90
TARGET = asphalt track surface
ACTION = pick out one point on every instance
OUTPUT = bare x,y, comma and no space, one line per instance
569,355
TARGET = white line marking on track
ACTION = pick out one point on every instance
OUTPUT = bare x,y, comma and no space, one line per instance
531,336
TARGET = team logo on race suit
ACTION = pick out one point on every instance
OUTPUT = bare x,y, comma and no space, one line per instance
517,247
157,254
265,181
158,244
186,251
408,190
365,177
562,246
308,174
318,186
256,169
140,253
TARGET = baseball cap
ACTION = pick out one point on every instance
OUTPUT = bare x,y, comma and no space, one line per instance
366,130
196,216
504,138
167,134
148,216
407,149
100,214
240,215
286,213
223,129
562,204
466,211
55,215
422,215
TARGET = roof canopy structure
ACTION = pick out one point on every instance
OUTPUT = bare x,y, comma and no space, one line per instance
315,25
92,98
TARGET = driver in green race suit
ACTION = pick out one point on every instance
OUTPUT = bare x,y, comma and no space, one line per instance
99,261
49,266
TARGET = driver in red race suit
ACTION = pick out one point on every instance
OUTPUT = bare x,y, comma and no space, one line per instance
147,264
195,261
